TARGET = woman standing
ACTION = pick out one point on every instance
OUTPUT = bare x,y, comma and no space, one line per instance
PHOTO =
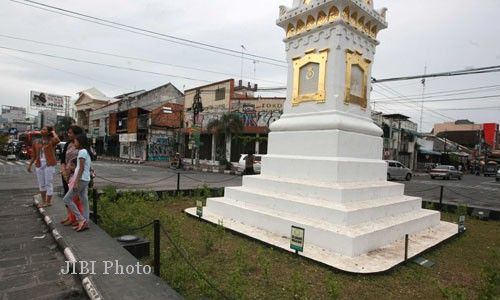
80,183
44,158
68,156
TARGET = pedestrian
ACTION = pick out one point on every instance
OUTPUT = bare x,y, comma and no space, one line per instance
249,163
44,158
79,183
68,165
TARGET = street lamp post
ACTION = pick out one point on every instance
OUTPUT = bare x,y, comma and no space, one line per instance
197,108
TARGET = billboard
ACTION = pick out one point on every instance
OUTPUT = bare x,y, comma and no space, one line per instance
41,100
490,134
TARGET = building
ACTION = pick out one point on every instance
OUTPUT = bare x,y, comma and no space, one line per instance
88,101
400,137
433,150
141,125
257,113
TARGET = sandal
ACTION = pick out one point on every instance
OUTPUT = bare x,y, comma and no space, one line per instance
68,223
84,226
65,221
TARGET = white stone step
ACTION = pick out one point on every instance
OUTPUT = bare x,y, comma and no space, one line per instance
334,212
324,169
346,192
346,240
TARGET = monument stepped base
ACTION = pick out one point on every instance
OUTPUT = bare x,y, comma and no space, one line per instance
376,261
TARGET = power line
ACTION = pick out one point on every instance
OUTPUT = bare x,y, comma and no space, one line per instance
104,65
441,100
471,71
392,91
65,71
480,89
150,33
126,57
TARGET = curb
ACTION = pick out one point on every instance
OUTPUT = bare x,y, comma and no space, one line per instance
87,282
122,160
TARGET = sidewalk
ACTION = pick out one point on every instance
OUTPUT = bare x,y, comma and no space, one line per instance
30,262
97,246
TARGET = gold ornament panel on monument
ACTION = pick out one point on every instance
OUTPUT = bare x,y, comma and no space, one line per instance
310,77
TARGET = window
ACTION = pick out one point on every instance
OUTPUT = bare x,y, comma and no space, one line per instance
220,94
391,164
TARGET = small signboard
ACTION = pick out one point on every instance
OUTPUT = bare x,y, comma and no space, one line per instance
461,224
297,239
199,208
423,262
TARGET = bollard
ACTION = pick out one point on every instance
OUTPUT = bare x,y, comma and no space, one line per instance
406,247
157,247
95,197
441,198
178,184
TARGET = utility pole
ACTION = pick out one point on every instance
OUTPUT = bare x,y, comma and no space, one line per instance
197,108
422,103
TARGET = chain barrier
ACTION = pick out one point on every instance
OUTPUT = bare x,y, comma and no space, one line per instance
459,194
137,184
183,254
210,182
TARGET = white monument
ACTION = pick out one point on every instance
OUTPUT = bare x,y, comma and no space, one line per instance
324,171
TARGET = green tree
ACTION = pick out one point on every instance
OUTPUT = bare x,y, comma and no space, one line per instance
63,125
229,125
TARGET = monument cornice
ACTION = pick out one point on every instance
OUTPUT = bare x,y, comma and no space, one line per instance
305,18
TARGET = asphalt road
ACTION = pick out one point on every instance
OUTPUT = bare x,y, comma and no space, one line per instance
475,191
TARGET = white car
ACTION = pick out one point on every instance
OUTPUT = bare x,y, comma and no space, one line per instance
256,165
396,170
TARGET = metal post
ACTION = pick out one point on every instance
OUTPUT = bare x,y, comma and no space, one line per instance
406,247
95,198
157,247
441,198
178,184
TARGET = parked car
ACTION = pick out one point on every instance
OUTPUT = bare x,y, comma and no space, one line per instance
498,175
256,166
446,172
490,169
396,170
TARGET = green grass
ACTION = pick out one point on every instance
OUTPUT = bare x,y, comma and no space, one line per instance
466,267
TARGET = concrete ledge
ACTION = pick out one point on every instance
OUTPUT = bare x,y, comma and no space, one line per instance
96,245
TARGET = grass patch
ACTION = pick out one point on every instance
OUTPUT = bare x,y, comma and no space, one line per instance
466,267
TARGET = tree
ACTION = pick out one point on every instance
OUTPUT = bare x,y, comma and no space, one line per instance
63,125
229,124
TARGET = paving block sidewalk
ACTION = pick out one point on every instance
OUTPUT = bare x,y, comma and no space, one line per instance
30,262
95,245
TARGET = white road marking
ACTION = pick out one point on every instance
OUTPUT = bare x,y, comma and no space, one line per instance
10,163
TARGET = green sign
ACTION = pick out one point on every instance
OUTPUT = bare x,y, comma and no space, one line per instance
297,239
199,208
461,224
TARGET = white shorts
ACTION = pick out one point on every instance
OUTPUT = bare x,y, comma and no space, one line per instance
45,176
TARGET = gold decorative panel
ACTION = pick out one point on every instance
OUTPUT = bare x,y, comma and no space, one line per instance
309,73
356,85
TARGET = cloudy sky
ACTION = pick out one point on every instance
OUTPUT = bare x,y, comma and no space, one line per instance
443,35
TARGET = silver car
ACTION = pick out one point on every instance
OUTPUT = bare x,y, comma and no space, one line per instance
446,172
396,170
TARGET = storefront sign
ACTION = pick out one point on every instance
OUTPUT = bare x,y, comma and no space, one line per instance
297,239
461,224
128,138
199,208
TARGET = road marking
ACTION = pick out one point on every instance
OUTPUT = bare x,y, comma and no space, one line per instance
1,163
10,163
19,163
